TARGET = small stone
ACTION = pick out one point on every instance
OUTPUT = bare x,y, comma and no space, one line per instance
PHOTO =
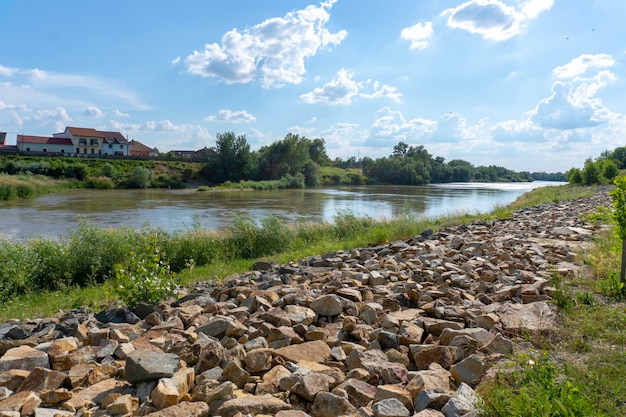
390,407
24,357
331,405
327,305
146,365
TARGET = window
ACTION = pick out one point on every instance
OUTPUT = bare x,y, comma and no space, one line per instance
82,141
110,146
92,151
77,150
94,142
62,151
45,150
27,149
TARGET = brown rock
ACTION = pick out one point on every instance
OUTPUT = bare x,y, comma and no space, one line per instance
315,351
24,357
258,360
13,378
445,356
25,402
360,393
394,391
264,404
331,405
184,409
93,394
42,379
122,405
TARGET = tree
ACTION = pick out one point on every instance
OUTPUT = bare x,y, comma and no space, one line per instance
400,149
590,173
609,170
317,152
618,196
229,160
287,156
141,177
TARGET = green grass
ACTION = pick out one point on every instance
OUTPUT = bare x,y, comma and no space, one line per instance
14,187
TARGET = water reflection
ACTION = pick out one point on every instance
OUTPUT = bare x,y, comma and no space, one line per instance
56,215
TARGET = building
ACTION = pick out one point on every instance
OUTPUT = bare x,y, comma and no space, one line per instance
87,141
43,144
139,149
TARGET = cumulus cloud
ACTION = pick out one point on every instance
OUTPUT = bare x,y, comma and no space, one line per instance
342,90
302,131
6,71
573,105
58,113
225,115
493,19
338,91
273,51
93,112
419,34
390,124
580,65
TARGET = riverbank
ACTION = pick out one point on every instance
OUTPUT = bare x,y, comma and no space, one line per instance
409,326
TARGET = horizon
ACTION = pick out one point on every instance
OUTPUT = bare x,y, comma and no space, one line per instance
534,85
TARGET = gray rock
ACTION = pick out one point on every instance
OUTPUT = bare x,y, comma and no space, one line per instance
144,365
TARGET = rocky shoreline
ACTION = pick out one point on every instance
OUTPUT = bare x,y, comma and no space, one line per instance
409,328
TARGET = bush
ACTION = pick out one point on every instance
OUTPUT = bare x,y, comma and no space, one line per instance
143,279
140,178
100,183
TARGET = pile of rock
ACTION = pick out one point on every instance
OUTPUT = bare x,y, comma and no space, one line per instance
407,328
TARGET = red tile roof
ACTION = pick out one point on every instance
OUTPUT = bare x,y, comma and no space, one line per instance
84,131
115,137
43,140
140,147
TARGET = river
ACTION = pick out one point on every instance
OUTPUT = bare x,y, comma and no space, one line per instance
56,215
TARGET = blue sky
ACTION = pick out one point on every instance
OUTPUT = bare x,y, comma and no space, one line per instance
534,85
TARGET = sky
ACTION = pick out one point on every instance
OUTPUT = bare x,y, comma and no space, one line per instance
531,85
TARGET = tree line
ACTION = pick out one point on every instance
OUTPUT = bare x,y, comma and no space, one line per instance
298,158
601,170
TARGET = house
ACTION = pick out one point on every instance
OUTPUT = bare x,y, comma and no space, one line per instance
139,149
44,144
87,141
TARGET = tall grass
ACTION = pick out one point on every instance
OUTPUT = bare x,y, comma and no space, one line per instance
13,187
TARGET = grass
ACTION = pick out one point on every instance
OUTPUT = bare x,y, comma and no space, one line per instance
14,187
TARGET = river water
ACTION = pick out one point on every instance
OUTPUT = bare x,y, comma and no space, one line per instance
56,215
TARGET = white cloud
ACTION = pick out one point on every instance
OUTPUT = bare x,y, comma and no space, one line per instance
273,51
493,19
58,113
343,88
302,131
225,115
118,113
381,91
390,124
580,65
6,71
20,107
176,60
93,112
338,91
574,104
418,34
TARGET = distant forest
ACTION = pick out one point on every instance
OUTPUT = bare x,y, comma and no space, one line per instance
298,157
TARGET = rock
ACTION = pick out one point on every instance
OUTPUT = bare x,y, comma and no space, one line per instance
390,407
309,385
24,357
258,360
184,409
145,365
470,370
42,379
445,356
165,394
315,351
122,405
360,393
24,402
461,403
93,394
331,405
397,392
117,315
264,404
524,318
327,305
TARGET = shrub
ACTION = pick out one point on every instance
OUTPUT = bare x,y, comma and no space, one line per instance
143,279
100,183
141,177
